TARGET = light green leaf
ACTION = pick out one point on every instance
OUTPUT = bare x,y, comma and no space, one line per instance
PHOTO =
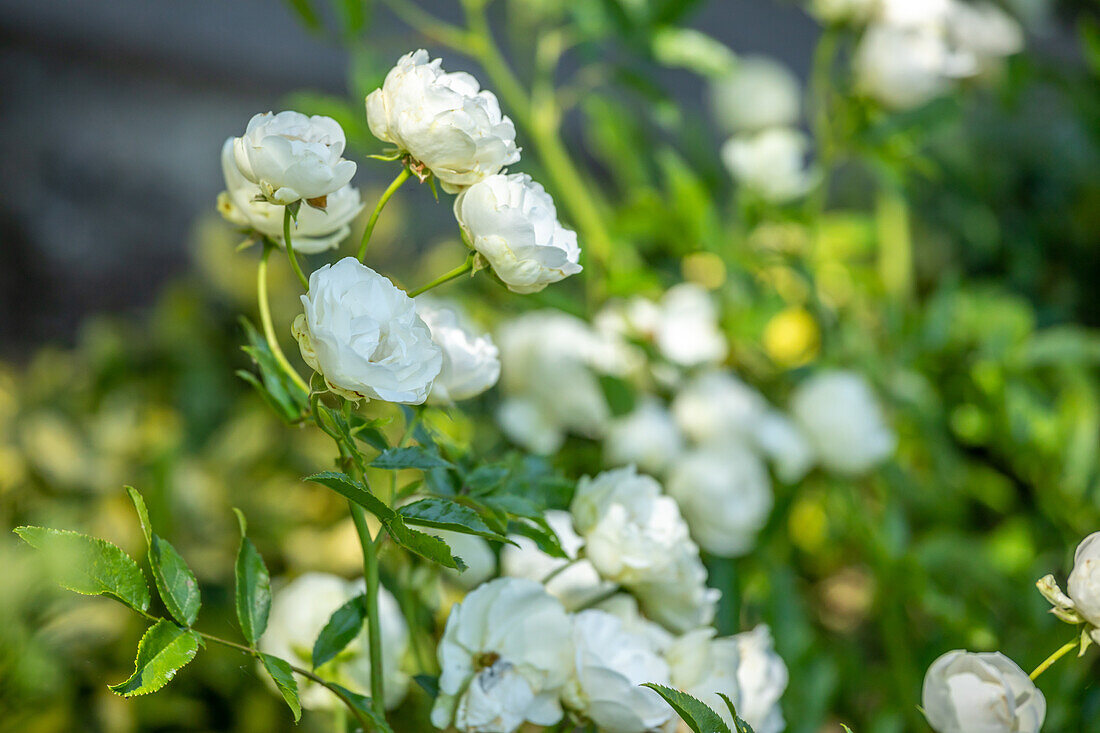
343,626
410,457
89,565
142,512
253,588
699,717
163,650
446,514
344,485
427,546
177,584
283,676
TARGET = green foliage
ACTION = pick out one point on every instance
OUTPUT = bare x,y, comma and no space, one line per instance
179,589
447,514
283,676
699,717
286,398
253,585
343,626
164,650
394,459
89,565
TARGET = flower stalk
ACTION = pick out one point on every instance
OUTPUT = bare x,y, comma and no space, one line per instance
396,184
1049,661
287,216
462,269
266,322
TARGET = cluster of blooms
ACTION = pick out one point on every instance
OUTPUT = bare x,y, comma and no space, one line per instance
913,51
759,104
966,691
710,440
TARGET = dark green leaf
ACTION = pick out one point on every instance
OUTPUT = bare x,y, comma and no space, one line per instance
344,485
177,584
446,514
541,533
429,683
343,626
283,676
287,399
363,705
163,650
699,717
90,565
619,395
427,546
410,457
253,588
738,723
305,11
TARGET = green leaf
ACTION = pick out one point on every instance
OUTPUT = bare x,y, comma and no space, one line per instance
542,535
363,705
177,584
142,512
410,457
427,546
619,395
699,717
253,588
283,676
305,11
428,683
90,566
738,722
277,388
163,650
343,626
446,514
347,487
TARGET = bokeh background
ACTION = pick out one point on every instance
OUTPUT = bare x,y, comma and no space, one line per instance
120,290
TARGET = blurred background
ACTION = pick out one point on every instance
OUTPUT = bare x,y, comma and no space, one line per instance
120,291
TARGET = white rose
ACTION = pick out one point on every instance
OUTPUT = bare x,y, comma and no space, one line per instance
985,32
966,692
504,656
300,609
610,664
771,163
785,446
647,437
839,414
443,120
624,607
760,93
365,337
1084,581
576,585
471,361
725,495
687,333
703,666
511,221
291,156
717,405
679,599
762,676
481,562
931,14
632,533
315,230
546,359
903,68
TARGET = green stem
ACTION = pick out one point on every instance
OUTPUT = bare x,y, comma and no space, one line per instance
374,629
432,27
339,720
1049,661
401,178
290,249
895,243
445,277
265,321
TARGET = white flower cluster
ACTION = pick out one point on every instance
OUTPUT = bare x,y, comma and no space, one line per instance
759,103
512,654
913,51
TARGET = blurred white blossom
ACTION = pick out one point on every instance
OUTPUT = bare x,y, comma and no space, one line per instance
785,446
716,405
703,666
838,412
679,599
772,163
762,676
966,692
471,361
759,93
443,120
647,437
481,562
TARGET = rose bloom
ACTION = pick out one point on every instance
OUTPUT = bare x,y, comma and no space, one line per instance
364,336
647,437
1084,581
504,656
610,664
725,495
784,444
443,120
292,157
717,405
771,163
758,94
703,666
679,599
840,415
966,692
903,68
512,223
762,676
481,562
301,608
315,231
471,361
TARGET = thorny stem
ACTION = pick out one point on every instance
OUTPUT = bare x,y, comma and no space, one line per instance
266,322
1049,661
290,249
401,178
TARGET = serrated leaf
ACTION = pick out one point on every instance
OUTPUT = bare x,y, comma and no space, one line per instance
179,589
446,514
142,512
253,583
162,651
410,457
739,724
90,566
343,626
699,717
350,489
362,703
283,677
287,398
427,546
542,535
